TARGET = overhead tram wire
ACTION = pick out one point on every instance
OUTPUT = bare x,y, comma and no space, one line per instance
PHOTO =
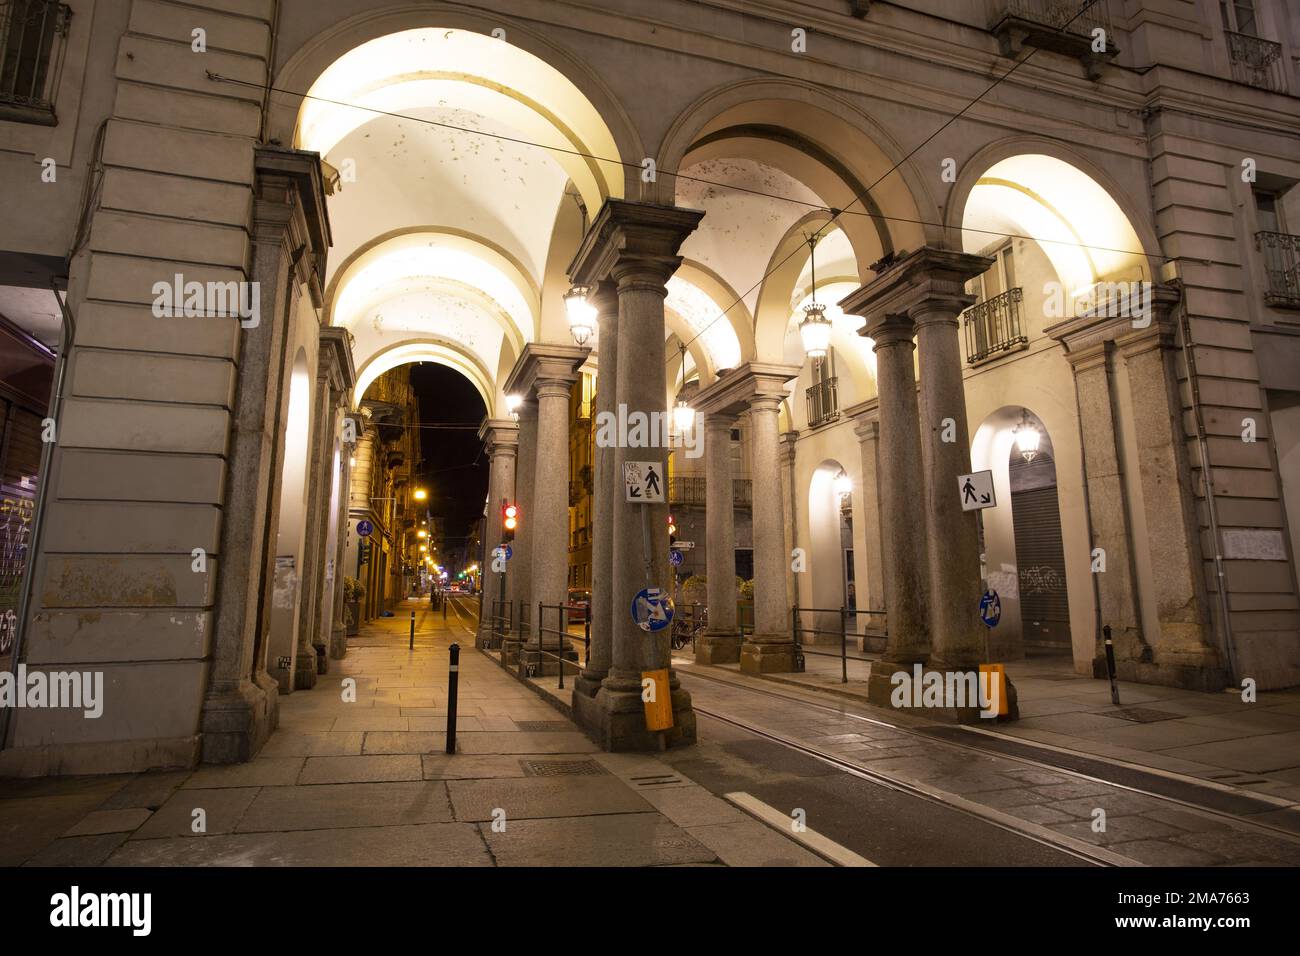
217,77
834,213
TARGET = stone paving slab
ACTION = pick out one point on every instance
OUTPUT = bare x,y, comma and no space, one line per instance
331,806
109,821
222,810
629,839
361,769
433,844
530,797
262,772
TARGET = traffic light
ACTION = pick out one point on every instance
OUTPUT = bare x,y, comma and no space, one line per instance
509,521
672,531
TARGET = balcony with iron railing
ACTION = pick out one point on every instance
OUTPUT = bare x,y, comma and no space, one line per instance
1256,62
1281,253
994,326
693,490
1067,27
33,39
823,402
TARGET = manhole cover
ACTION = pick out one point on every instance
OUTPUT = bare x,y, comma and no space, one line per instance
561,768
1140,715
544,726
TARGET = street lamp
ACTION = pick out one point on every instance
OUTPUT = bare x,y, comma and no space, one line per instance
815,329
512,405
420,494
683,414
1027,437
582,314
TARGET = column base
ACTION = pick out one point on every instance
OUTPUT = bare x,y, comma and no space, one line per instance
587,684
884,691
236,722
615,718
722,647
339,642
510,651
534,663
774,656
304,669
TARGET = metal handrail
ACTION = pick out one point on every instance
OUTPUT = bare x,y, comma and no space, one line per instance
796,630
562,633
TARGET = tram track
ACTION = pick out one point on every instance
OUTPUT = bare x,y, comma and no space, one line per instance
942,737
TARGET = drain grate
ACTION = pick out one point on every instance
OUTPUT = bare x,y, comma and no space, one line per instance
1140,715
562,768
544,726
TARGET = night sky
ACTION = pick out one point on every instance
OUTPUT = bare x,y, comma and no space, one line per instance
455,464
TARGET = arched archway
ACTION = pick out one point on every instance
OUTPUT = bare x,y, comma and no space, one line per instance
290,535
830,546
1023,541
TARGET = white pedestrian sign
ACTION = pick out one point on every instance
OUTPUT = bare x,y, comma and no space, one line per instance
976,491
643,481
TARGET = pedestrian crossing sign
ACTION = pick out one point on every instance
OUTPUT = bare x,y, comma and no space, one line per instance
643,481
976,491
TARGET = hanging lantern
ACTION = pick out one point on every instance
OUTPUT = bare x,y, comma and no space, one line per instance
683,414
1027,438
512,406
815,330
582,314
843,484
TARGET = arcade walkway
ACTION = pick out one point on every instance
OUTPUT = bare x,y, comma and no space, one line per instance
367,783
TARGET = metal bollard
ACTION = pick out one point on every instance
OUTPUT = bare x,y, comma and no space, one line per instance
586,640
412,646
844,642
453,681
1110,666
444,610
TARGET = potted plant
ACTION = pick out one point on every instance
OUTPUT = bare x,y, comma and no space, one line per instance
353,592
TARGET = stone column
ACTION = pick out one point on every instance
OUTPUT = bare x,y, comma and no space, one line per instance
1184,649
790,510
338,622
902,508
770,648
502,439
519,569
953,535
872,597
604,295
636,245
313,548
720,644
240,705
550,523
1090,357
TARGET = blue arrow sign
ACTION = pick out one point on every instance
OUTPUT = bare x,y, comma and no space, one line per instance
990,608
652,609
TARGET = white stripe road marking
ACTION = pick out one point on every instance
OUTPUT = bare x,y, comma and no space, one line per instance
822,846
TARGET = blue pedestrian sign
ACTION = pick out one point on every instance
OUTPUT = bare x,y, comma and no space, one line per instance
990,608
365,528
652,609
504,551
675,558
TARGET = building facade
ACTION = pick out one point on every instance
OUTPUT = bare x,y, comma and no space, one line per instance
1050,245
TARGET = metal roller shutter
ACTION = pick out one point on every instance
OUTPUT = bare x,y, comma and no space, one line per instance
1040,561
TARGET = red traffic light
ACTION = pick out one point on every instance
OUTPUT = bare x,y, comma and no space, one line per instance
511,513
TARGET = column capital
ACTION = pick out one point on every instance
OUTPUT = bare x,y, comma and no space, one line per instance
926,286
735,391
788,442
289,208
633,241
889,329
501,435
719,421
336,357
544,363
1112,320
